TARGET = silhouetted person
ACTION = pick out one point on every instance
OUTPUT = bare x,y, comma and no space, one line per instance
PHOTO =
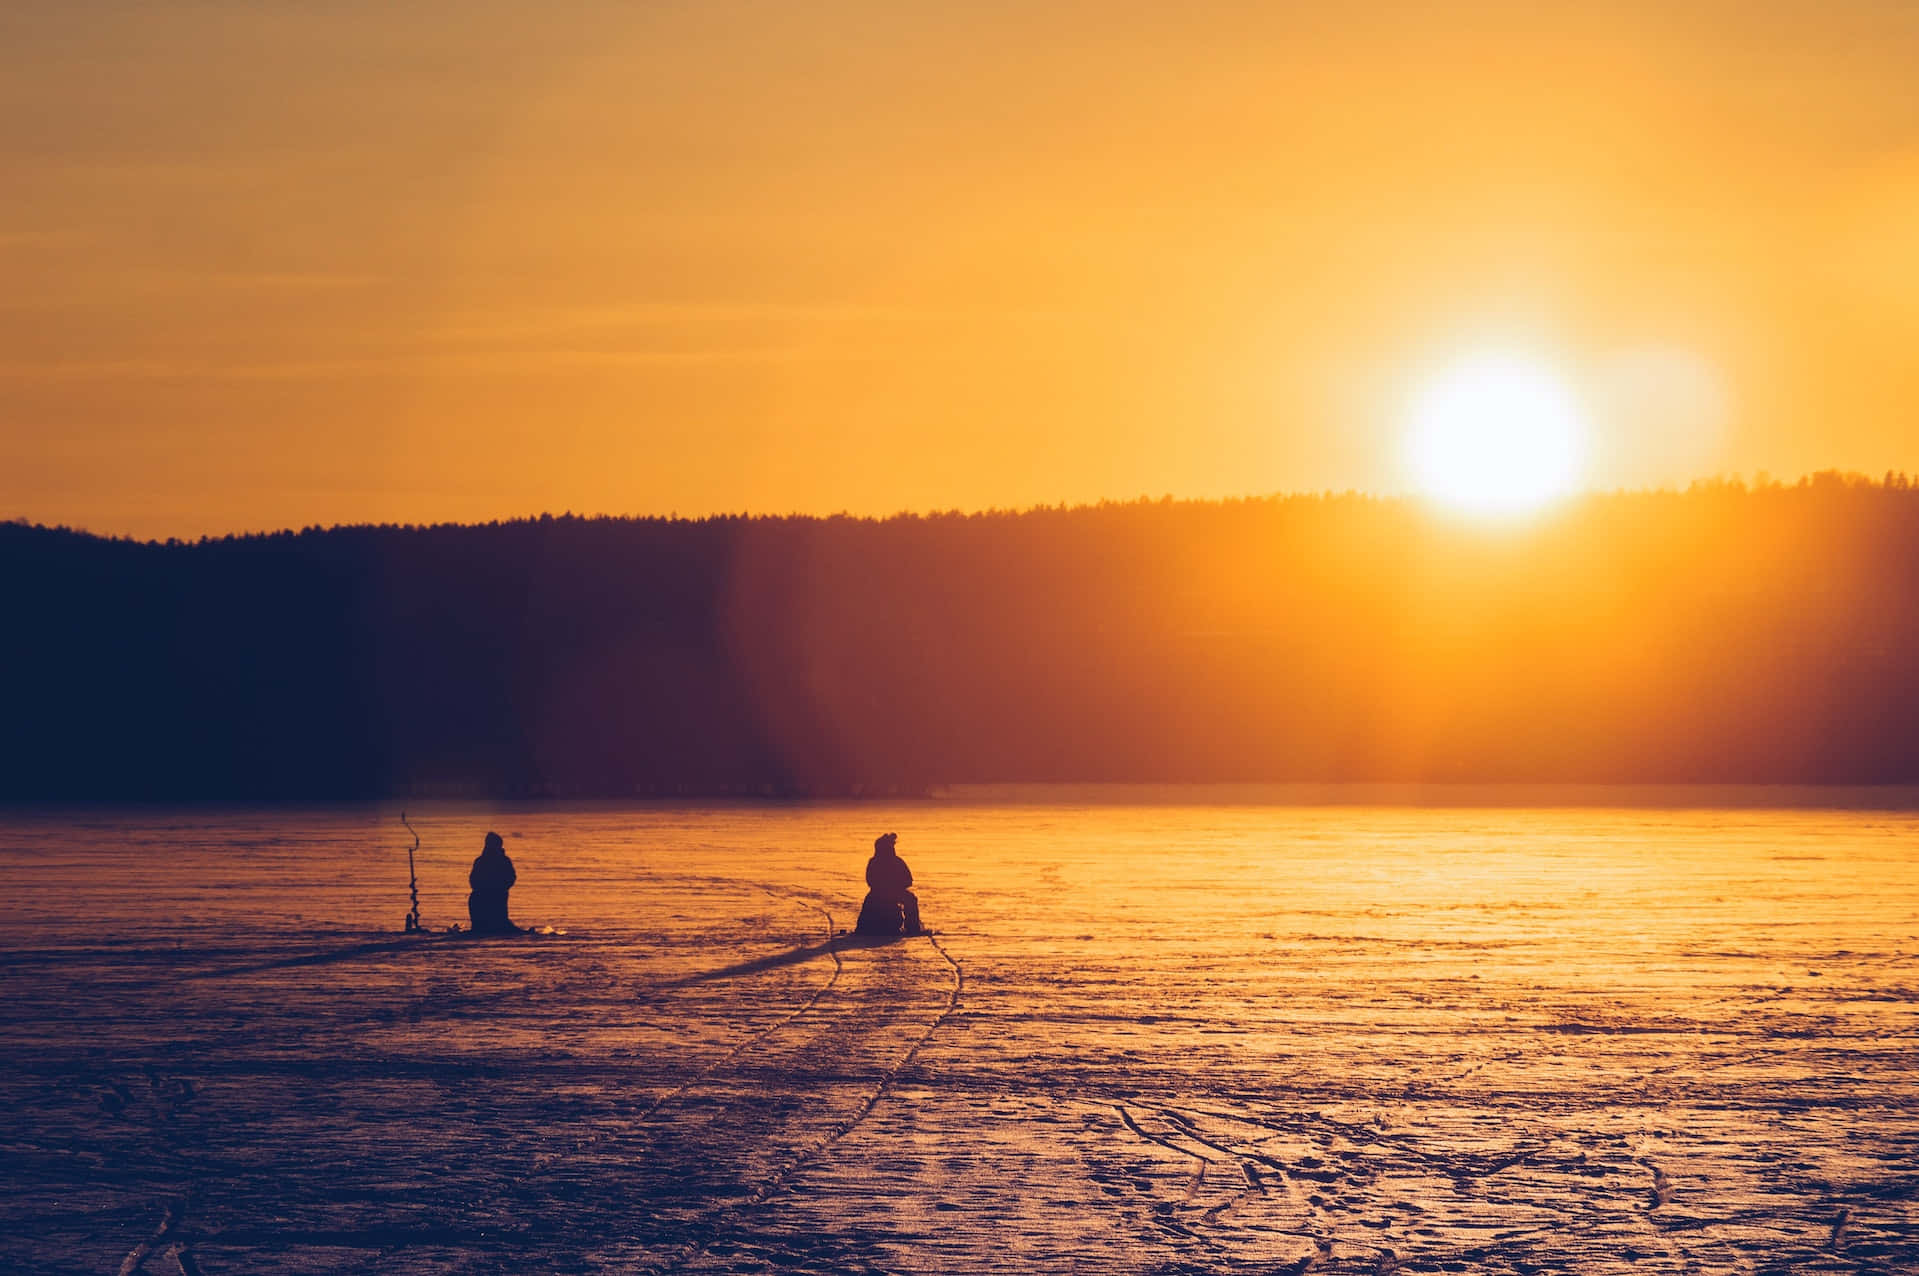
891,908
492,877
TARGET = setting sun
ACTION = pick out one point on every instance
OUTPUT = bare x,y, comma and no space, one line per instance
1495,435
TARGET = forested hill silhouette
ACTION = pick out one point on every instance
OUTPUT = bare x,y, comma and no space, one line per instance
1721,634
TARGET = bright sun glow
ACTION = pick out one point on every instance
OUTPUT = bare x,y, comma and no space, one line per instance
1495,435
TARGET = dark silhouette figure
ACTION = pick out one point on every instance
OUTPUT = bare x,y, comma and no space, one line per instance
890,908
492,877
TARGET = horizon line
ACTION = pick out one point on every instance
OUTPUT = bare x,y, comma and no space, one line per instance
1758,481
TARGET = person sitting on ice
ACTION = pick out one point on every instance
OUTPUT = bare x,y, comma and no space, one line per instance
492,877
891,908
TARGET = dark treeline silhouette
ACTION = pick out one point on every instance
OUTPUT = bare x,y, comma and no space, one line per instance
1722,634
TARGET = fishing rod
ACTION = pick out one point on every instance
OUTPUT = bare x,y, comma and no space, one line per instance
412,879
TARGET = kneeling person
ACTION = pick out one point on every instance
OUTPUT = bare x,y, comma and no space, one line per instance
492,877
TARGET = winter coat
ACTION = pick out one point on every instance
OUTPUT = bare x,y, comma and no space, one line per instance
888,875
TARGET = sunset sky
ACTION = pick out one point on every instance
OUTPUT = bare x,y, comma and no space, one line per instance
272,264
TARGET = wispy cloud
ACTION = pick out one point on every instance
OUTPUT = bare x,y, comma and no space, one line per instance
38,237
504,363
547,321
285,280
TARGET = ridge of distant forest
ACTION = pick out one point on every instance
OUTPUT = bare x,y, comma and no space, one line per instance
1722,634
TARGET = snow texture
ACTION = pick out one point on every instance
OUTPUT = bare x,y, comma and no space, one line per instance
1146,1038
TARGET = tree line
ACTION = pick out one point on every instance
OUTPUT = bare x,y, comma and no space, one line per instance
1726,633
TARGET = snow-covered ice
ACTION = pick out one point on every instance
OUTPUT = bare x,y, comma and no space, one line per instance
1147,1038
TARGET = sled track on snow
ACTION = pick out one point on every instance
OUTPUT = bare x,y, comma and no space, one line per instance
839,967
1326,1237
1247,1161
543,1160
170,1236
136,1259
709,1226
1323,1236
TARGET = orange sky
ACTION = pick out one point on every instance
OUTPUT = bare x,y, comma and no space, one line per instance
278,264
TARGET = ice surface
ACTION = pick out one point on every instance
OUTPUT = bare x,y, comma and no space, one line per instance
1149,1038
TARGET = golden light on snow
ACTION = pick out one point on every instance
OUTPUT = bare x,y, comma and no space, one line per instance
1495,434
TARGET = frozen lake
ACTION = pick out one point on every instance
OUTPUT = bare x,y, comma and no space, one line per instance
1152,1036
